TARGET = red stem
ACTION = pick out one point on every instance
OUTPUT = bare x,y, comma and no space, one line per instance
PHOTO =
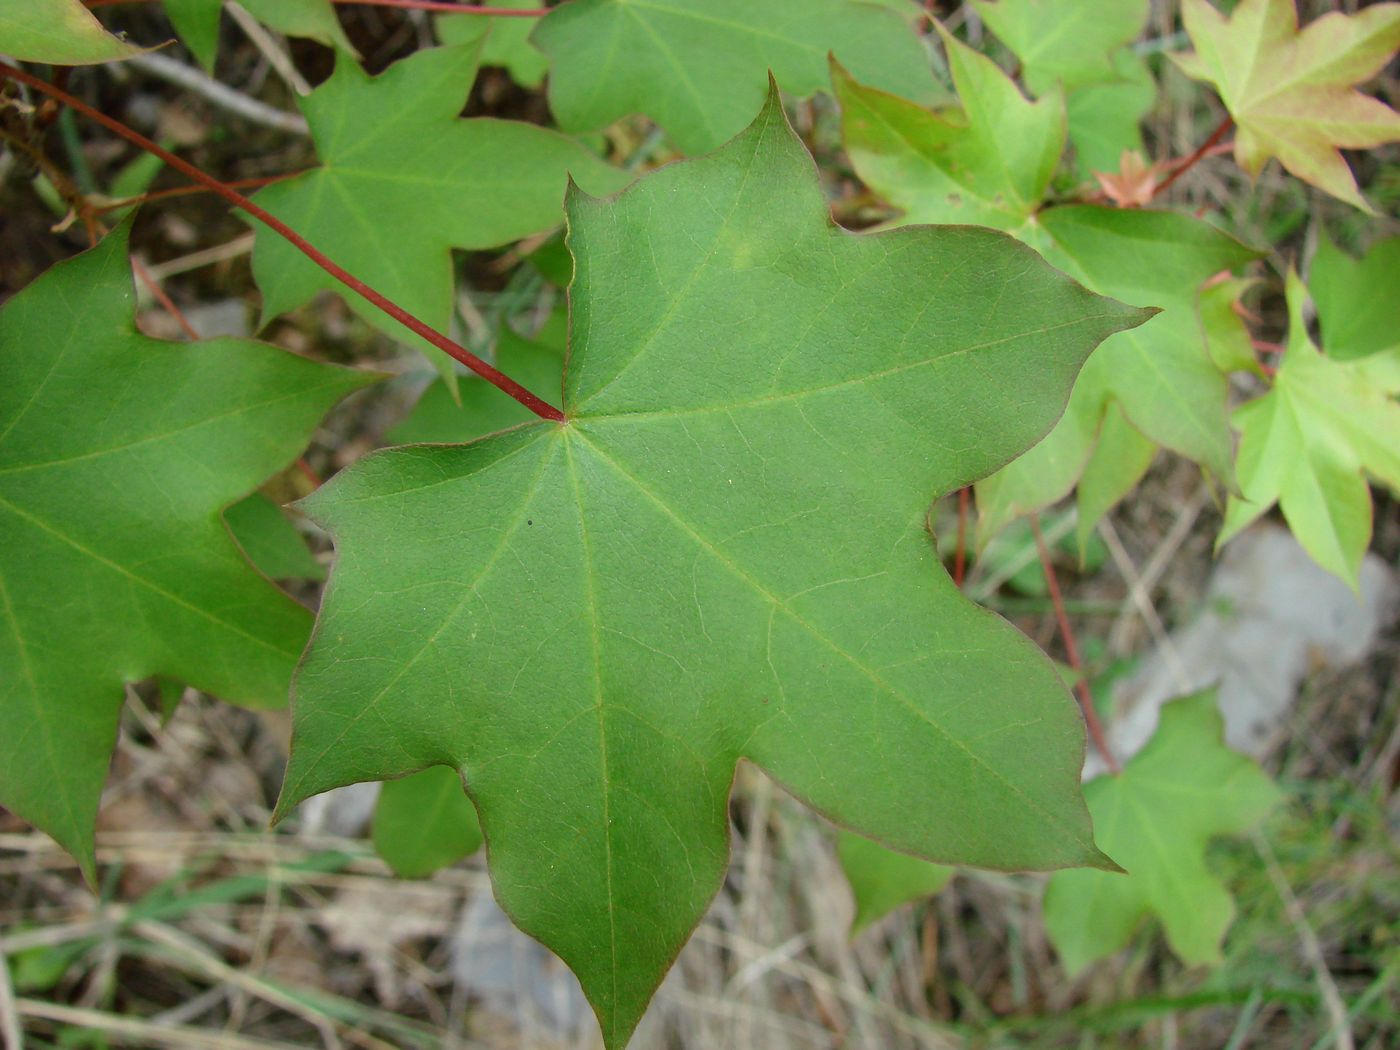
960,556
153,286
493,376
1201,151
411,5
185,191
1081,684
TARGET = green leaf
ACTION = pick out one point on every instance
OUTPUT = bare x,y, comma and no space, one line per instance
1105,117
403,181
117,455
991,165
1183,789
270,541
1119,461
700,68
197,23
313,19
882,879
1309,443
482,408
1160,375
1228,339
1069,42
721,554
988,164
1077,46
1292,93
1357,308
424,822
60,32
505,42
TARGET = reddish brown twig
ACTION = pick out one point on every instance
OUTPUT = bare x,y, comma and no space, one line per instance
1201,151
1081,684
153,286
496,378
185,191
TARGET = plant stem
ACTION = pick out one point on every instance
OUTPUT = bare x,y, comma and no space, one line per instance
1190,161
1081,685
492,375
185,191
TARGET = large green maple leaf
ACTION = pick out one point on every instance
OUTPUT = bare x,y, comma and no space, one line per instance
1179,792
721,554
403,181
117,455
1310,443
1292,93
992,163
699,68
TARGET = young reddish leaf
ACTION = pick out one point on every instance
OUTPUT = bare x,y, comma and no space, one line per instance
403,181
60,32
1134,184
1358,311
117,455
699,67
1183,789
1292,93
1310,442
720,554
882,879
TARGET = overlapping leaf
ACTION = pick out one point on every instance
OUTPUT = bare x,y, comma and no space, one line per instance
988,164
1310,443
424,822
882,880
699,68
1078,47
197,22
271,542
61,32
992,164
505,42
1293,94
117,455
403,181
721,554
1156,817
1358,309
